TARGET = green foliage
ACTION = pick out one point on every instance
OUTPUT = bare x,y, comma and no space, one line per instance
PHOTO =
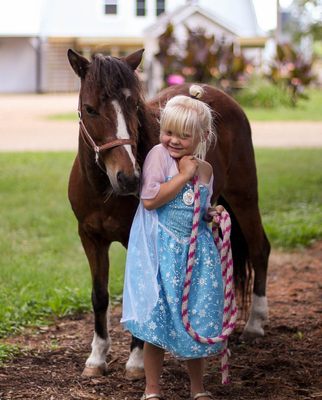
167,52
205,59
305,110
8,351
200,56
259,92
305,20
291,71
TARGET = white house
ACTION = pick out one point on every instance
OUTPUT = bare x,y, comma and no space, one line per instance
35,34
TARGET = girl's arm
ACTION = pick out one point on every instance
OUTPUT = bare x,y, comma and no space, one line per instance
168,190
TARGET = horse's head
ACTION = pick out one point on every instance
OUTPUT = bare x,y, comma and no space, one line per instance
110,96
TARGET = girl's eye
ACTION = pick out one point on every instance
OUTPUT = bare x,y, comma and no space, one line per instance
169,133
185,136
90,110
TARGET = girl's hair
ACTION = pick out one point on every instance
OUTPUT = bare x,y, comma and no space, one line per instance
184,114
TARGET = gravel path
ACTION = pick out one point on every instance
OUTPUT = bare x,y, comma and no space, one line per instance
24,126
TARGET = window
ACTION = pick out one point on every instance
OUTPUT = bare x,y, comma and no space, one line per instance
140,8
110,6
160,6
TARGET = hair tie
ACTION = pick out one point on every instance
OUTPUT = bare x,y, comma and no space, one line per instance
196,92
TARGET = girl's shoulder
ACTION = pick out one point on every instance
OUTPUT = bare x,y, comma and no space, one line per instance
205,171
159,155
158,149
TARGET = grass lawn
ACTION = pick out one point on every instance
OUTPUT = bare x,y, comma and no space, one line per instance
43,270
290,189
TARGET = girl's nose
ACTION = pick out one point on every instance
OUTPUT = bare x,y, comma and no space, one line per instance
175,139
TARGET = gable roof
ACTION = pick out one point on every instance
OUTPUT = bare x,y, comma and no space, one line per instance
238,13
181,14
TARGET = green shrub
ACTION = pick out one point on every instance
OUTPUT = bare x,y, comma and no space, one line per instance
260,93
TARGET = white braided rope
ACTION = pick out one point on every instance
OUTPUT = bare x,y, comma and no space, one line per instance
230,308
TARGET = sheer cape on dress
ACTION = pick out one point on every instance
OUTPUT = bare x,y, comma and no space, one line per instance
142,256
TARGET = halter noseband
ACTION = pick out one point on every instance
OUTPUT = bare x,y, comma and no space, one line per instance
97,149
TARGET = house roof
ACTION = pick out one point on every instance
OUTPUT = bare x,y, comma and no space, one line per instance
181,14
238,13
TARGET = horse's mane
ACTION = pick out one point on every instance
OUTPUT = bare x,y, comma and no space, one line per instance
112,75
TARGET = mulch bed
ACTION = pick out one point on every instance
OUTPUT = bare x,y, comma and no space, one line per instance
285,364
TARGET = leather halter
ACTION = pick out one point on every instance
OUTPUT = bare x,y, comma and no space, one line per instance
108,145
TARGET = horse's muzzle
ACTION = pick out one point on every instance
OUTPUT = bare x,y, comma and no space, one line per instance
127,184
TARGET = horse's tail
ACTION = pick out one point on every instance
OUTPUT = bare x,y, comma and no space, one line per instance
242,265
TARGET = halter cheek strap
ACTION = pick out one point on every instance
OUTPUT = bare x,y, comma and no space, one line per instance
97,149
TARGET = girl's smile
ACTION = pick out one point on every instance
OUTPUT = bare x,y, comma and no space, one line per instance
178,145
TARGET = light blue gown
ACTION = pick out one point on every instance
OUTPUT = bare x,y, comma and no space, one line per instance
155,274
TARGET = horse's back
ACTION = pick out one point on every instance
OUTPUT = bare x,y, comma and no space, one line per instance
225,109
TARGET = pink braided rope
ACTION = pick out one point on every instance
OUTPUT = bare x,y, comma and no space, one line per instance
230,308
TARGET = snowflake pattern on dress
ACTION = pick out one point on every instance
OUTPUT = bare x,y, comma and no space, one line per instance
164,327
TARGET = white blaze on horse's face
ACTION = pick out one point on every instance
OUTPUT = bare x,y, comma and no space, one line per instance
126,173
122,133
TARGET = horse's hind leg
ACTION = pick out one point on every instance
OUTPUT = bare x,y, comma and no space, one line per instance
96,252
248,217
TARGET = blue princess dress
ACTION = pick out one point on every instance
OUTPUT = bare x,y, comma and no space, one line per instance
156,266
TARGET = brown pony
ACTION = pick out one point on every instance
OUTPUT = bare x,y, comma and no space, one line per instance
117,129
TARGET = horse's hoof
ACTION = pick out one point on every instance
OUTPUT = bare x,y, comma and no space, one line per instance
89,372
251,335
134,374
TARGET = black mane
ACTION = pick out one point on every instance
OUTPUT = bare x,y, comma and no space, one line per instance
111,75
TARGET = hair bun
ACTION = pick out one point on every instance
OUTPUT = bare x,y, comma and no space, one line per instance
196,91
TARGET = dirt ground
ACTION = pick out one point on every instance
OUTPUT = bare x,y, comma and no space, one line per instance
285,364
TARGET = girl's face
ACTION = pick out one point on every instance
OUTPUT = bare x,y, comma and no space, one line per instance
178,145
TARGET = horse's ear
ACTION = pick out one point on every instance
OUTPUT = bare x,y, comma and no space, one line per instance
78,63
134,59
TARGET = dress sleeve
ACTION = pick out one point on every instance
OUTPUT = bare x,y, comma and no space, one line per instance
154,172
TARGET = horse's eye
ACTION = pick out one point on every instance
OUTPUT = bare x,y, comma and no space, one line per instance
90,110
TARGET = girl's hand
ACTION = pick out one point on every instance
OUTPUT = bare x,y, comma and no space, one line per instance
188,166
213,214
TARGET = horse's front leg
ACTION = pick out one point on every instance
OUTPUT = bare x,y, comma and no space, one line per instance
135,367
96,251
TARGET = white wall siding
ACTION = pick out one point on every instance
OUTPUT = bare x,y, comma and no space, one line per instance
17,66
58,75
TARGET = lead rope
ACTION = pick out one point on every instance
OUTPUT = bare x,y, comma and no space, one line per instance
230,308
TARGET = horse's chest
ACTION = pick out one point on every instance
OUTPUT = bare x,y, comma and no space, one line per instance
109,227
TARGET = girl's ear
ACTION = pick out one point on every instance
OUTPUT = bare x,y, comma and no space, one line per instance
206,135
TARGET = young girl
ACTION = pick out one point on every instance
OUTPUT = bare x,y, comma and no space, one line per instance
158,248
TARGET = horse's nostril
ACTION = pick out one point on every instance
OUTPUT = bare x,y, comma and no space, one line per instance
128,183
